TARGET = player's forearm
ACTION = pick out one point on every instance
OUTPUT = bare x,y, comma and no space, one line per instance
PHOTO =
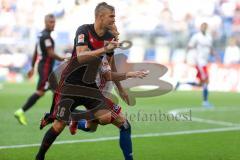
114,69
90,54
114,76
96,53
113,66
57,57
52,54
84,50
118,85
34,59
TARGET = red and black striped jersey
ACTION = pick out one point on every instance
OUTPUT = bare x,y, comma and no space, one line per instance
45,41
86,35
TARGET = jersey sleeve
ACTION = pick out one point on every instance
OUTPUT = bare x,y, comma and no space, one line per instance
81,38
47,41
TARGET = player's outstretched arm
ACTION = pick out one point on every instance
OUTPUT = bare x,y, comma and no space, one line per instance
115,76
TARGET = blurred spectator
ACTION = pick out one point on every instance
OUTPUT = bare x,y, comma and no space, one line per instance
189,20
232,52
7,18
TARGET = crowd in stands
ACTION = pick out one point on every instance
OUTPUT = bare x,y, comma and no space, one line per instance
168,23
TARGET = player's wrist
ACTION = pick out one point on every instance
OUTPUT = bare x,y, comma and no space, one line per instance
109,47
62,58
105,49
128,75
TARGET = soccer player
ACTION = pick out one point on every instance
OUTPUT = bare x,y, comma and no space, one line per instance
88,43
44,47
105,75
202,43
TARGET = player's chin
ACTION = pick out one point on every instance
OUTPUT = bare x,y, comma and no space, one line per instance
110,25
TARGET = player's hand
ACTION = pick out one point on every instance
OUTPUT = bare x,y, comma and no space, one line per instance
111,45
124,96
137,74
30,73
66,58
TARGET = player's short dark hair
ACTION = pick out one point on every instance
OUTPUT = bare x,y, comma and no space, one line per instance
102,6
50,15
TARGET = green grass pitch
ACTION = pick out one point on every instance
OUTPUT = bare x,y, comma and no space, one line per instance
210,134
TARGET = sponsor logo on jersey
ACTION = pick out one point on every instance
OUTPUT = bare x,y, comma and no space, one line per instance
116,108
81,38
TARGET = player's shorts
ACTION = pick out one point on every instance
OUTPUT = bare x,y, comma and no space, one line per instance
43,73
202,73
66,97
114,108
88,103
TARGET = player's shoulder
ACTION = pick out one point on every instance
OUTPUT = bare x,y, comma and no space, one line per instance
44,34
84,28
198,34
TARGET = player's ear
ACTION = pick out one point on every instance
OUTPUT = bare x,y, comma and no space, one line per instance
101,16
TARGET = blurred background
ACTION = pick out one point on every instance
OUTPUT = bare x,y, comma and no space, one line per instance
159,29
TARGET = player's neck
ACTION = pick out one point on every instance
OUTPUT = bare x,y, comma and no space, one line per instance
204,33
99,29
48,30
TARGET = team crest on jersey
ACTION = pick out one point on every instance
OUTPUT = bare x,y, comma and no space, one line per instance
81,38
116,108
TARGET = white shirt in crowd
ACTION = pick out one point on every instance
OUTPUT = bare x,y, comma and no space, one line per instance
232,55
